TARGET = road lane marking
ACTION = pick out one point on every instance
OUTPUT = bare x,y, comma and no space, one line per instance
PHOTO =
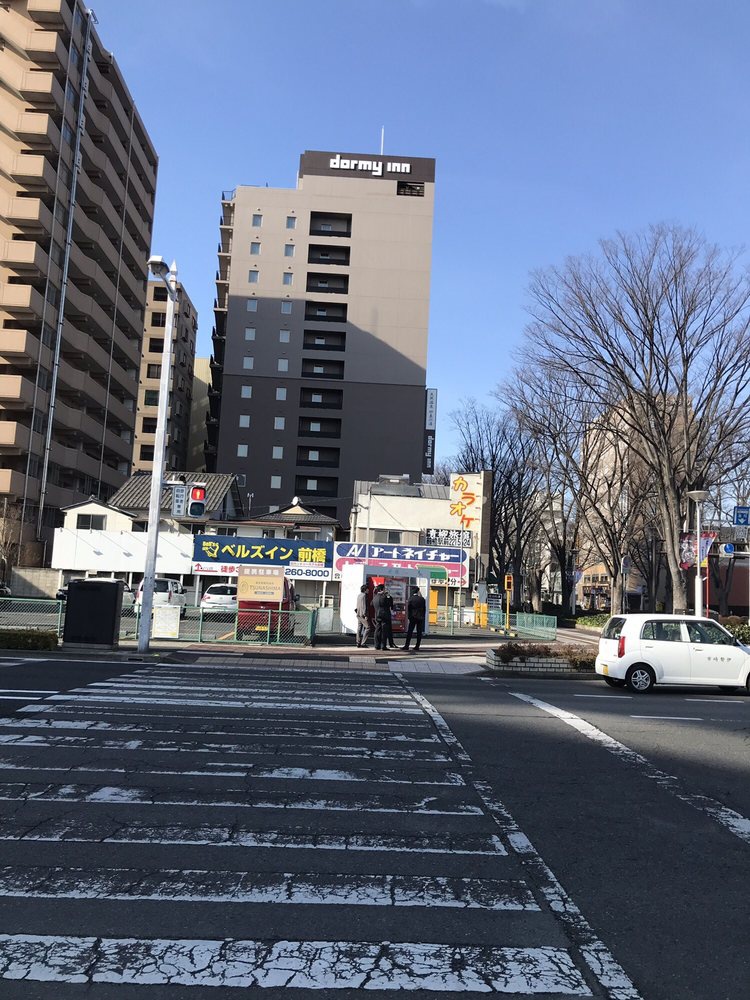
733,821
102,831
298,888
671,718
597,956
618,696
323,965
20,697
27,691
718,701
106,699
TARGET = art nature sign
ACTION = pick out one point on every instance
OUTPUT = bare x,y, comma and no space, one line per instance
416,557
224,555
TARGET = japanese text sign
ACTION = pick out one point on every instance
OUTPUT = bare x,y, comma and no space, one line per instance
225,554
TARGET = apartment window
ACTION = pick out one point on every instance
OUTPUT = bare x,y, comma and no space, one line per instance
313,456
316,397
160,293
286,308
148,425
254,249
248,363
156,345
315,426
244,419
75,56
153,371
288,278
279,423
68,134
289,250
246,392
283,336
241,451
252,305
278,452
280,394
275,482
249,333
318,370
151,397
283,364
71,94
90,522
147,453
252,277
158,319
257,221
312,484
291,222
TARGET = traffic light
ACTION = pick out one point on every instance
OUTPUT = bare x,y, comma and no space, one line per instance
509,582
197,501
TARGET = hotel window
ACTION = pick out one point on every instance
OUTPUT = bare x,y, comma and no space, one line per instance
248,363
289,250
158,319
283,364
151,397
249,333
280,394
275,482
257,221
286,308
291,222
279,423
156,345
315,426
283,336
278,452
247,392
254,249
241,451
244,419
316,397
313,456
312,484
252,305
287,278
252,277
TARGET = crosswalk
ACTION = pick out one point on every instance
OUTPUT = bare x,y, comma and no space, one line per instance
226,827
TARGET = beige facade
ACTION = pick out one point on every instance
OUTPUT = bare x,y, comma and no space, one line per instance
51,55
199,414
320,345
181,382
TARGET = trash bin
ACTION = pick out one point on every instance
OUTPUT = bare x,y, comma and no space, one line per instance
92,613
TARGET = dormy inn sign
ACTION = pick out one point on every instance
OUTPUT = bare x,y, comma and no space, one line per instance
374,167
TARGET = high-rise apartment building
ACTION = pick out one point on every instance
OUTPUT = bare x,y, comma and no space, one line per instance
320,344
77,184
181,382
199,412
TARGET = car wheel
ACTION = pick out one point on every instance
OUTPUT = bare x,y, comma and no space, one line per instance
728,688
614,682
640,678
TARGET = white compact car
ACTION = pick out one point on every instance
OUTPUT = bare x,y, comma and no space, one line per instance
220,597
641,650
166,592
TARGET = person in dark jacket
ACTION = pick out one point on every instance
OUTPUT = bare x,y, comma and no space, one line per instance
389,622
381,606
364,620
416,610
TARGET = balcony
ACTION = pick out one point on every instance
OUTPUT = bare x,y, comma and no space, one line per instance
33,170
38,129
14,437
11,484
54,12
21,300
27,213
46,47
16,391
24,256
21,348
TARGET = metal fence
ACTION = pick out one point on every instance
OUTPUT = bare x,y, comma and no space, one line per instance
269,628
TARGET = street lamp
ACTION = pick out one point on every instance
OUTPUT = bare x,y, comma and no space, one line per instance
698,497
159,269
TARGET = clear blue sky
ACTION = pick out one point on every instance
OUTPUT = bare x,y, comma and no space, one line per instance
553,122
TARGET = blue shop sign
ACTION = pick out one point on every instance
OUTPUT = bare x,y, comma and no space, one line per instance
262,551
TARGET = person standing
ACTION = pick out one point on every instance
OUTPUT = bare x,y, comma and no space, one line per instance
416,610
382,610
389,621
364,621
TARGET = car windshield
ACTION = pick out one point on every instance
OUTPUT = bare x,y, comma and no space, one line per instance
161,586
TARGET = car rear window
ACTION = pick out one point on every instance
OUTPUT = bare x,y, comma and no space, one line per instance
222,590
161,586
613,628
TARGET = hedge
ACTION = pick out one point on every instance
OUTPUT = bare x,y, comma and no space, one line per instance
28,638
579,657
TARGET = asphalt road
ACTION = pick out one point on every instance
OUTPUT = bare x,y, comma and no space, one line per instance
326,830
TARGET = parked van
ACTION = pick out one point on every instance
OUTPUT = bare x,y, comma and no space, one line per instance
166,592
641,650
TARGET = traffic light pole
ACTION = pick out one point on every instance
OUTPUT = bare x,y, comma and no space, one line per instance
160,445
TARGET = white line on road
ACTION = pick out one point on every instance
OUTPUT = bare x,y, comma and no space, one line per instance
27,691
718,701
20,697
670,718
733,821
618,696
322,965
299,888
107,699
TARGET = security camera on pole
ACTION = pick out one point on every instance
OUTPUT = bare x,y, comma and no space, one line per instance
159,269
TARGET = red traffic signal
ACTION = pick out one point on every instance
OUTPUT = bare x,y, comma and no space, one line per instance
197,501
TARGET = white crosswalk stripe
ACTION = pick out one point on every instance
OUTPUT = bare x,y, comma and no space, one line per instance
237,793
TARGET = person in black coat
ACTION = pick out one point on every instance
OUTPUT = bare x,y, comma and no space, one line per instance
416,610
381,606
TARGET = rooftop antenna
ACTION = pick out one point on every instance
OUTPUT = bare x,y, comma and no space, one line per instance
382,138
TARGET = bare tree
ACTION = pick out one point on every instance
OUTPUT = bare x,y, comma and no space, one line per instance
655,332
10,539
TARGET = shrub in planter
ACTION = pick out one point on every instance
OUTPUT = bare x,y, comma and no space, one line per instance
579,657
740,631
522,651
27,639
594,621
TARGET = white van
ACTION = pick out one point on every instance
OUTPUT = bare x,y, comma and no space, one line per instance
166,592
641,650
